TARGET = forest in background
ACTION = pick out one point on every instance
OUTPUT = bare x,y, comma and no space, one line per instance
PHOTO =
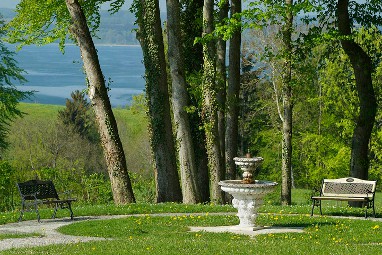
44,145
307,78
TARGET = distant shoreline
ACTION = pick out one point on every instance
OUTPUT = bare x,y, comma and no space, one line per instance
95,44
116,45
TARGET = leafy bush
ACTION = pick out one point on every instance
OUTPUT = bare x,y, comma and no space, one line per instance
7,186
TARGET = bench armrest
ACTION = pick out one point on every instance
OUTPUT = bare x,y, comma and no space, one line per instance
370,193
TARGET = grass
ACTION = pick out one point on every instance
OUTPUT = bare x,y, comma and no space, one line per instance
18,235
95,210
40,111
169,235
150,234
300,197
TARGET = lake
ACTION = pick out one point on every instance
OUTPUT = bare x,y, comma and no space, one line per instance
54,75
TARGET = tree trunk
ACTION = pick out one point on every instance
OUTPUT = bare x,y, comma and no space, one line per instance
362,66
191,16
180,100
162,140
210,106
97,92
232,129
286,185
221,80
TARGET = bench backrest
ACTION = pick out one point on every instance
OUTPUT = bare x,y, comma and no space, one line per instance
42,189
350,186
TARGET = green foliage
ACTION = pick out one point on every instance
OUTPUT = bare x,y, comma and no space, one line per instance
41,146
325,109
192,27
96,189
117,28
361,13
7,186
139,104
10,73
144,188
43,22
78,116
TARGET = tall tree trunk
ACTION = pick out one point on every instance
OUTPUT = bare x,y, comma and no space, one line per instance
286,185
191,16
221,80
107,126
232,129
180,100
162,141
362,66
210,105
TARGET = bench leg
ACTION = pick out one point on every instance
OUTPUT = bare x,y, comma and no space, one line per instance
370,204
316,203
24,207
22,212
70,209
37,212
55,211
69,206
313,204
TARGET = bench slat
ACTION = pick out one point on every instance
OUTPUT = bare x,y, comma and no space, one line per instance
341,198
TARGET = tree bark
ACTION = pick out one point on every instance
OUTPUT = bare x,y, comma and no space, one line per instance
162,140
233,90
286,185
362,66
221,81
191,16
210,106
180,100
97,92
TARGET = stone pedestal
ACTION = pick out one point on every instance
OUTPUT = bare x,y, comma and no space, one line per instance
247,198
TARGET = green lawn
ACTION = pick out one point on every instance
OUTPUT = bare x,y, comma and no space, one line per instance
149,234
169,235
7,236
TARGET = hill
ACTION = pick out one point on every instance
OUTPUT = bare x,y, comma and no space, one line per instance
33,136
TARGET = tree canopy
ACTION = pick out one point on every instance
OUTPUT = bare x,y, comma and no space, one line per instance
10,74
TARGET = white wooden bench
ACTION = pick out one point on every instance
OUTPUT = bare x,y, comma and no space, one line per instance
347,189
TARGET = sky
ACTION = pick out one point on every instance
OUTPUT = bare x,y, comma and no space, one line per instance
8,3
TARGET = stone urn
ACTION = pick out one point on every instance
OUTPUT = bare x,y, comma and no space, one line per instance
248,194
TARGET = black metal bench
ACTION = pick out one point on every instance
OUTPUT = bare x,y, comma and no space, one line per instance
36,192
347,189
